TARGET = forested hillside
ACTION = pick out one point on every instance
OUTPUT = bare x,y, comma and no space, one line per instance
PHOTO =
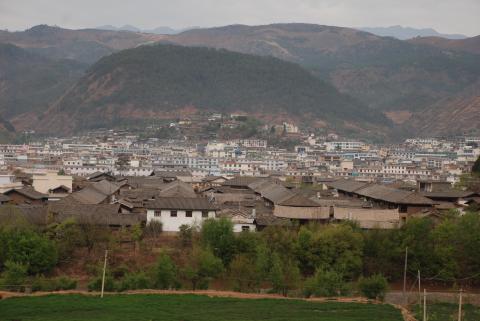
159,80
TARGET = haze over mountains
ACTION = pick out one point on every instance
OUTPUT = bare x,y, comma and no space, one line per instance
338,77
404,33
162,30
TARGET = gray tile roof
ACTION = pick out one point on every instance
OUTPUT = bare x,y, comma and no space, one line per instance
181,203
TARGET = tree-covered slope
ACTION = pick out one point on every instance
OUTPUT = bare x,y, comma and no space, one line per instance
385,73
29,83
157,81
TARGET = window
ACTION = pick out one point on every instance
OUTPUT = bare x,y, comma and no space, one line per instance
157,213
204,214
188,214
245,228
173,213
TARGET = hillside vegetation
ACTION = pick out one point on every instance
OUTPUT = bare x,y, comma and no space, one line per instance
160,80
29,83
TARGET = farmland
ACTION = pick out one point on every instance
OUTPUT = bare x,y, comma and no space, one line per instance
186,307
448,312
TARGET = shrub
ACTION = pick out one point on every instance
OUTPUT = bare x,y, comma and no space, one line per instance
41,283
66,283
326,283
165,273
96,284
373,287
134,281
14,275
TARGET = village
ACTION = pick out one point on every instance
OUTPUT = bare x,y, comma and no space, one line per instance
120,179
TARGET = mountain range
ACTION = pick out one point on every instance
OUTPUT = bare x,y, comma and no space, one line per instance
415,84
162,30
405,33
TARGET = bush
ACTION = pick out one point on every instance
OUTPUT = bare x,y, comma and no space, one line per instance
134,281
326,283
373,287
56,284
165,273
14,276
96,284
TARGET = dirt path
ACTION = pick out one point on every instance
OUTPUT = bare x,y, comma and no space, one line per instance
407,315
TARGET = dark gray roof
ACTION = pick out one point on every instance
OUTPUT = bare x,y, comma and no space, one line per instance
33,214
451,193
96,193
393,195
241,181
346,185
101,214
177,189
181,203
27,192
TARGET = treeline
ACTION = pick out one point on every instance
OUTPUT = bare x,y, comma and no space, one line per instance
308,260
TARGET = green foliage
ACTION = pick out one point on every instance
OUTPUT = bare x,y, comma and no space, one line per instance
243,273
165,273
201,267
41,283
96,284
188,307
217,234
165,77
185,235
284,274
373,287
27,247
326,283
133,281
67,236
476,167
14,275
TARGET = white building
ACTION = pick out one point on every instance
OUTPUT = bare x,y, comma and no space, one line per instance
174,212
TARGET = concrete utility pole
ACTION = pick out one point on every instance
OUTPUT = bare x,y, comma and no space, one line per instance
460,306
405,277
104,270
424,305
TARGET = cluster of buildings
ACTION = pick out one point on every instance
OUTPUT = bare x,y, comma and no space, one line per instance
118,179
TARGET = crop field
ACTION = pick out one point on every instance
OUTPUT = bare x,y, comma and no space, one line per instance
154,307
448,312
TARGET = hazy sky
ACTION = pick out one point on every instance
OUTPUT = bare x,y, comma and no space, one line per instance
447,16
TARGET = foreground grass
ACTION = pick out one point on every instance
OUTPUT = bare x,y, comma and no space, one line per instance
448,312
186,308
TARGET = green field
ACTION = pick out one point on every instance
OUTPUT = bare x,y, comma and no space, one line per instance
186,308
448,312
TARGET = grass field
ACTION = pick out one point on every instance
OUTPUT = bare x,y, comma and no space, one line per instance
186,308
448,312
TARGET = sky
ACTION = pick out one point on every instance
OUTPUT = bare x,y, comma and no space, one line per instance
445,16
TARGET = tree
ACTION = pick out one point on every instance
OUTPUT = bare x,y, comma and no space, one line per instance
476,167
284,274
185,235
14,275
201,267
325,283
218,235
164,272
67,236
373,287
29,248
337,247
243,273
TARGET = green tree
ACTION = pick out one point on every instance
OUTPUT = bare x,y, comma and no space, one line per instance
29,248
476,167
325,283
243,273
165,272
284,274
67,236
201,267
14,275
373,287
218,235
